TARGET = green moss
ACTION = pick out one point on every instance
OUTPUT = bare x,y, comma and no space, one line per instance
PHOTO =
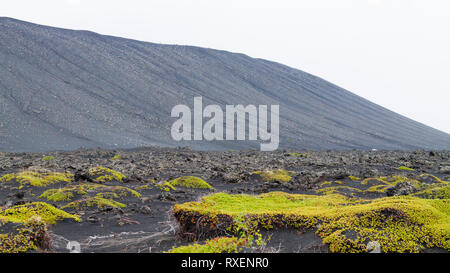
48,158
438,180
275,175
66,194
436,192
37,179
399,224
23,213
335,189
96,201
216,245
325,183
354,178
190,182
165,186
57,195
298,155
404,168
102,174
144,187
383,183
15,243
120,191
377,189
116,157
27,237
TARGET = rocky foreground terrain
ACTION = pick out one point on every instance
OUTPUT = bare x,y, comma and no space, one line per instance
157,199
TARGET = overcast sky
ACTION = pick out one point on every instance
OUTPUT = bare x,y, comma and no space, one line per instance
393,52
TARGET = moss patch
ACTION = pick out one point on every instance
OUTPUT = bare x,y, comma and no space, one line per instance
16,243
381,184
37,179
275,175
57,195
165,186
354,178
190,182
98,201
29,236
102,174
399,224
404,168
337,189
298,154
436,192
23,213
216,245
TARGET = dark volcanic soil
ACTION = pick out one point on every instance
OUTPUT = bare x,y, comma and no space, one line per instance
146,223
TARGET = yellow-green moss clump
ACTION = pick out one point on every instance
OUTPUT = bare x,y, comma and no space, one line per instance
29,236
45,212
381,184
37,179
165,186
298,154
354,178
16,243
190,182
102,174
399,224
216,245
121,191
337,189
67,194
275,175
404,168
98,201
57,195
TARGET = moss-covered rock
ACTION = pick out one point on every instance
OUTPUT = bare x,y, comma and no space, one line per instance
399,224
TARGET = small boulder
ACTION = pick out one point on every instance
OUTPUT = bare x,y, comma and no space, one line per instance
401,188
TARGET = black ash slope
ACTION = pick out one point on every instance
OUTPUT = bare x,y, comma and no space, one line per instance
62,89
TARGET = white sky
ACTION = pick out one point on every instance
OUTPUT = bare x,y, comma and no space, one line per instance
392,52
